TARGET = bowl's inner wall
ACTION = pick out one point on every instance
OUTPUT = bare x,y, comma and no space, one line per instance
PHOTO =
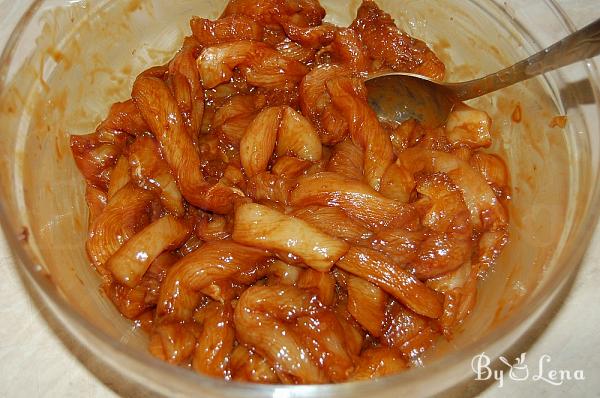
88,56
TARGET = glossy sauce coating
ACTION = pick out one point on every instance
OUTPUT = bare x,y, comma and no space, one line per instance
249,210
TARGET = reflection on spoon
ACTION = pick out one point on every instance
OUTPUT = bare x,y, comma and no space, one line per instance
401,96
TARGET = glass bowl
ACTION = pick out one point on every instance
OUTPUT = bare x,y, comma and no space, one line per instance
67,61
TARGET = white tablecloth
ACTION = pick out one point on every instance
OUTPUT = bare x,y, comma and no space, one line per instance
36,360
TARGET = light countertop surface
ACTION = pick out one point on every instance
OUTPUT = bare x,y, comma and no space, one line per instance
37,360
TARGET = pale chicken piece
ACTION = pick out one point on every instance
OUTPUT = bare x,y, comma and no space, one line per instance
159,108
281,131
235,106
492,168
366,303
407,332
447,244
123,216
460,291
119,176
222,291
225,30
316,105
133,302
321,282
270,12
129,264
387,44
233,118
261,65
451,280
96,202
247,365
397,183
377,362
347,49
470,127
124,116
488,215
400,244
354,197
258,142
213,261
293,50
150,171
184,81
348,96
262,320
260,226
310,37
282,273
495,172
486,211
354,334
270,187
347,159
335,222
323,335
375,267
96,154
213,227
290,167
216,341
297,136
173,342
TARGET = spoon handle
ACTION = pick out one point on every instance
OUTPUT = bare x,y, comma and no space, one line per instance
582,44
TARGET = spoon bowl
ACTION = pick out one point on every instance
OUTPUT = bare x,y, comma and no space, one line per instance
397,97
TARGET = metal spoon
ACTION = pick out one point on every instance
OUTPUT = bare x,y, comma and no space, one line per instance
401,96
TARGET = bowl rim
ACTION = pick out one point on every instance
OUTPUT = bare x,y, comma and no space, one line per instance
515,320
